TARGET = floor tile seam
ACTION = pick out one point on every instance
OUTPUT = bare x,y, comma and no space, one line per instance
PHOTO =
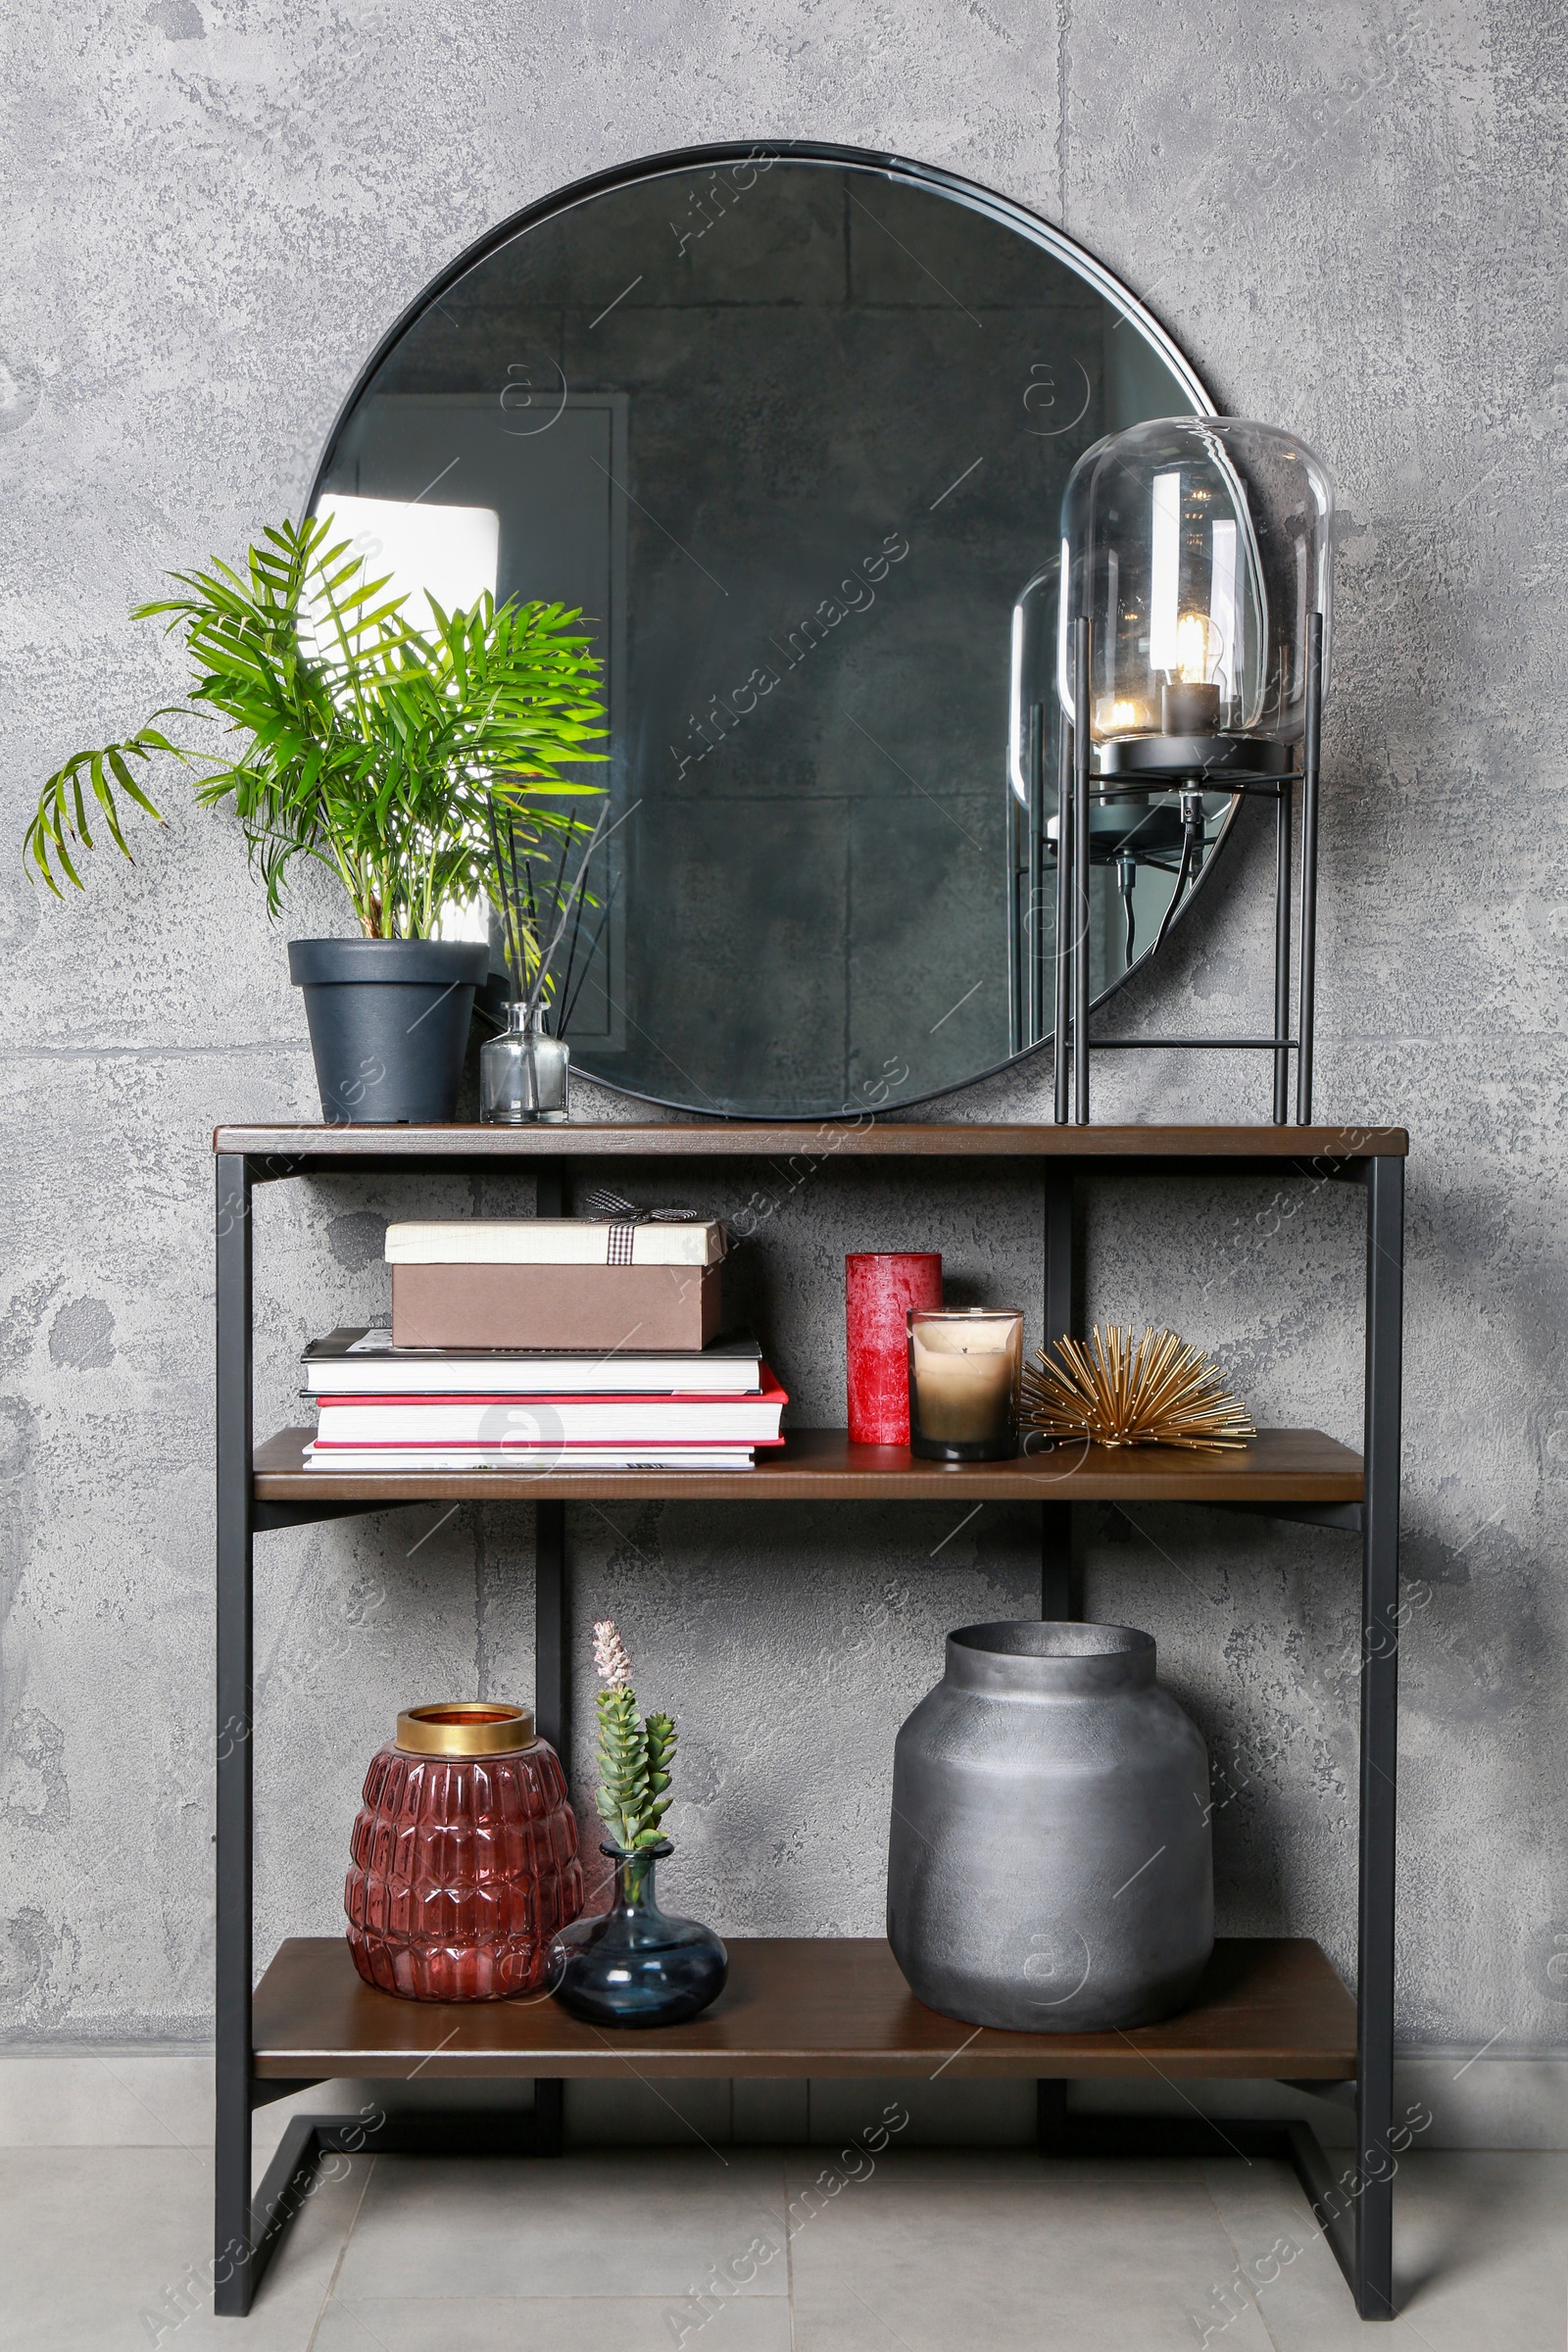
523,2302
201,2149
327,2296
1124,2174
1253,2297
556,2295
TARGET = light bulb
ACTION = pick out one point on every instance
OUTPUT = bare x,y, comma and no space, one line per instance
1195,649
1189,697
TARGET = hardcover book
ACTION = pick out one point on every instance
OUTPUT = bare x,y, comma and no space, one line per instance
424,1459
500,1423
356,1362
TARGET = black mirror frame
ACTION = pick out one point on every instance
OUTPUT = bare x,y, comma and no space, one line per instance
1005,211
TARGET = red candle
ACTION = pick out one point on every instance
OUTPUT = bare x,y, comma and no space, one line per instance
880,1286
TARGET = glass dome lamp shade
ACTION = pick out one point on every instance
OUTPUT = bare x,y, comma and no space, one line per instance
1197,548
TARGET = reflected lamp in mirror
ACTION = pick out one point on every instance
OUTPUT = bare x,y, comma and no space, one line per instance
1197,548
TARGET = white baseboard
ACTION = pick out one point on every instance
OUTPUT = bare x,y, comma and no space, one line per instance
161,2096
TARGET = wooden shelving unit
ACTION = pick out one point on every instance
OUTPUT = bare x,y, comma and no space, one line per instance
1269,2008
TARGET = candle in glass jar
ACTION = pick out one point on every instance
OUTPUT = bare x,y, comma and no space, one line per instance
964,1369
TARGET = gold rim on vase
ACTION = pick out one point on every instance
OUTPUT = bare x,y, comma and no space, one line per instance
464,1726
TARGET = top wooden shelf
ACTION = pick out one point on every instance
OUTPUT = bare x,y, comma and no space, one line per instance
715,1139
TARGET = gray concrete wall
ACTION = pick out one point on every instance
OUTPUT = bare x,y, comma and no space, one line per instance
212,213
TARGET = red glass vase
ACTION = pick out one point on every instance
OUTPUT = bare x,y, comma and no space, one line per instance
465,1857
880,1286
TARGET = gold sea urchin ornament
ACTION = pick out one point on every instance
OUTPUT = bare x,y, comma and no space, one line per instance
1158,1391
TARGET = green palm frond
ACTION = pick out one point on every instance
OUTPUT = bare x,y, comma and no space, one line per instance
62,810
348,736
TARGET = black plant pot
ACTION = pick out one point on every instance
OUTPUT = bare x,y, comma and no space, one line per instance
389,1022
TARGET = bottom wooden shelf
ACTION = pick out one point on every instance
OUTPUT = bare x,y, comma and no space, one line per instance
1267,2008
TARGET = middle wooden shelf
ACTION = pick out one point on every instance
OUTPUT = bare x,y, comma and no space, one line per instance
1298,1466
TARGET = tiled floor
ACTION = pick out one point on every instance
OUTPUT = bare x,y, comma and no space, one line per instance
101,2250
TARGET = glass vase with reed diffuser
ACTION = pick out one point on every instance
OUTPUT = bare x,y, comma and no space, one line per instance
525,1069
524,1073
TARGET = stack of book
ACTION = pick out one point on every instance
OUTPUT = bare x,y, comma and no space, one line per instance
384,1408
551,1343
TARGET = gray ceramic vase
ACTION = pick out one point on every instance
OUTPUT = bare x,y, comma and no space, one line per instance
1051,1866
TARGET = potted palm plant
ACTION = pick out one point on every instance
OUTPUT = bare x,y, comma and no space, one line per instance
380,751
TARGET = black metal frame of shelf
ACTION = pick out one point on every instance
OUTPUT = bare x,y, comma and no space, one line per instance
1357,2221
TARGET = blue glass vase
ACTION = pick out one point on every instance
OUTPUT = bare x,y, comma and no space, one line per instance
633,1965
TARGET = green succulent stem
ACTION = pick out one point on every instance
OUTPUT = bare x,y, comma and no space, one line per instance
634,1760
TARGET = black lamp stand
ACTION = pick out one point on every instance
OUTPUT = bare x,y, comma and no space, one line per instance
1192,764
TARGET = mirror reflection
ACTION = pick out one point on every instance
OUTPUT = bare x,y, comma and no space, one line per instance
793,434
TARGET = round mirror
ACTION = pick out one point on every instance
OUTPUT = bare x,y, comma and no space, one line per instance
791,426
